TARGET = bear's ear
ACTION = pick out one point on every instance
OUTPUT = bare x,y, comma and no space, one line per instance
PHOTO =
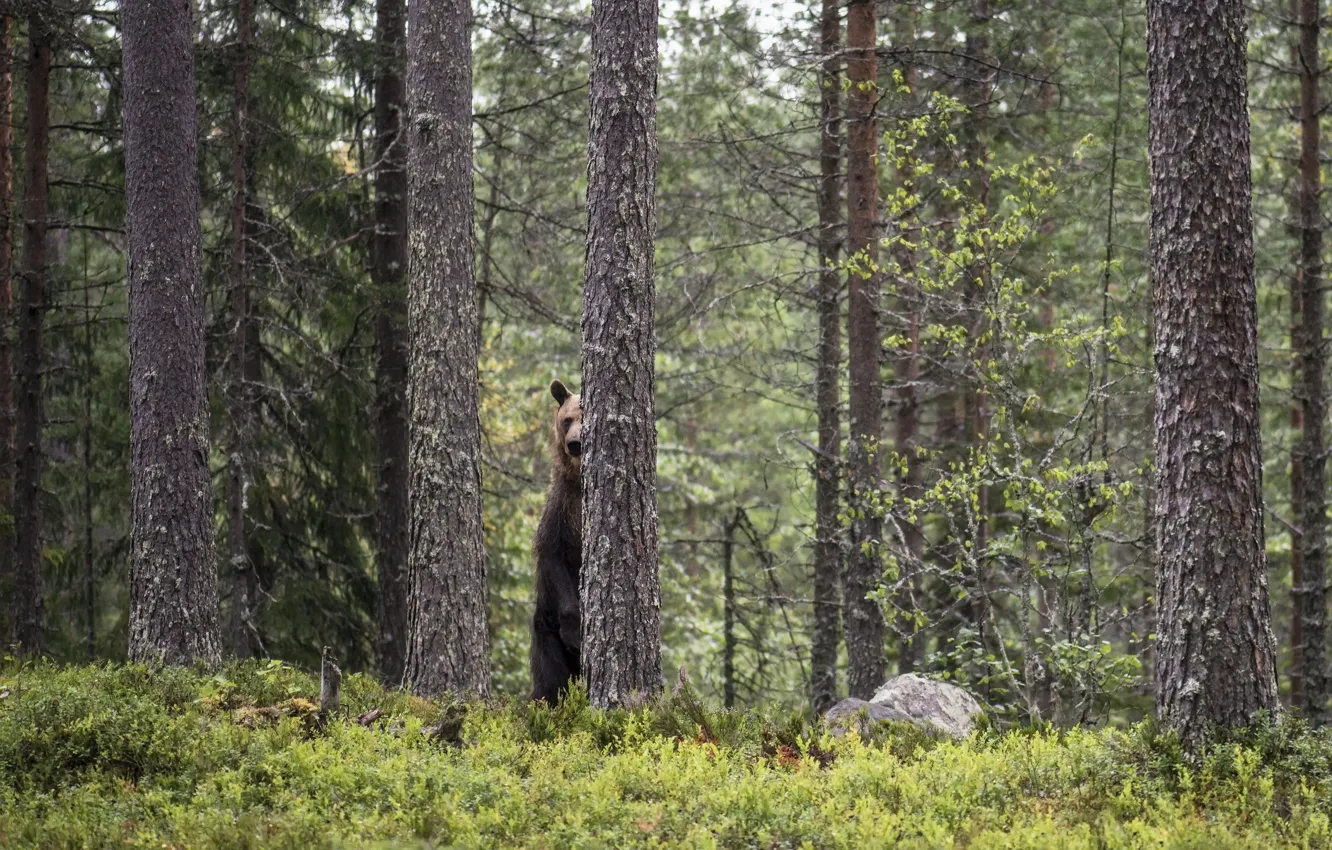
560,391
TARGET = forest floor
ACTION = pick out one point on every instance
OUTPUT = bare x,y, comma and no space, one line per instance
124,756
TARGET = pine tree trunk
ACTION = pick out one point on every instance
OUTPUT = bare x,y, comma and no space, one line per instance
448,644
173,575
240,401
907,436
828,393
6,319
29,412
1216,653
620,585
1313,361
389,272
864,622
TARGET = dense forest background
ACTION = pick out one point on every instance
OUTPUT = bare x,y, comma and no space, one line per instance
1014,141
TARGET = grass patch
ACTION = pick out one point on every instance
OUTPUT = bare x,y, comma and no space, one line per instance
127,756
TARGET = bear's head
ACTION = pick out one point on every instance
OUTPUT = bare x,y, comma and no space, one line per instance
568,435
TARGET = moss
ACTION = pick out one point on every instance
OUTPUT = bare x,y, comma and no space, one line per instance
128,756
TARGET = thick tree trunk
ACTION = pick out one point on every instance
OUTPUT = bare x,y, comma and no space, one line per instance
173,575
389,272
1216,654
1313,361
864,622
828,393
448,644
6,319
29,412
621,590
240,395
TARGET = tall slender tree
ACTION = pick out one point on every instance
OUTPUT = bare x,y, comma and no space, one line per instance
243,630
448,646
6,315
828,386
29,408
620,583
173,575
907,434
389,272
1312,364
980,90
1216,653
864,622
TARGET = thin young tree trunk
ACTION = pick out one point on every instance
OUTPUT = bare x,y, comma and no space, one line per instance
447,644
620,585
240,571
907,436
1216,653
828,392
89,558
729,613
29,413
173,575
1296,499
981,85
864,622
389,272
6,317
1313,519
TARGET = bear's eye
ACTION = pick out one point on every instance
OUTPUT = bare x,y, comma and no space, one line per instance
568,420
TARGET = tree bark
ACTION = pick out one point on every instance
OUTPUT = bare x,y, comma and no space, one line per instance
89,556
864,621
981,86
1312,363
389,273
240,396
173,576
29,413
1216,653
828,393
907,436
620,585
448,644
6,318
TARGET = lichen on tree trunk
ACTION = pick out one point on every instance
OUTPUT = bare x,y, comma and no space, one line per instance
448,644
621,590
173,574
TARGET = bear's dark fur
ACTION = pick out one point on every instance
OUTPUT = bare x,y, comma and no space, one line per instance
557,624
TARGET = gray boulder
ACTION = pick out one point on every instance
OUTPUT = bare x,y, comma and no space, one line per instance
934,706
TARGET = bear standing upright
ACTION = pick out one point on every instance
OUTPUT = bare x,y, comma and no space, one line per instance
557,624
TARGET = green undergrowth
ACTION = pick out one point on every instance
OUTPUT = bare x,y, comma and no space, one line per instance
126,756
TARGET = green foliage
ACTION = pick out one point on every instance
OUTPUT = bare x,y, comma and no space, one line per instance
135,757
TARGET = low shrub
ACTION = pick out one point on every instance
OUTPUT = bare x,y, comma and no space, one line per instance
128,756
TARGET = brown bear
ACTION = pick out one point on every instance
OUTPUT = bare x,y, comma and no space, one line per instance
557,624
